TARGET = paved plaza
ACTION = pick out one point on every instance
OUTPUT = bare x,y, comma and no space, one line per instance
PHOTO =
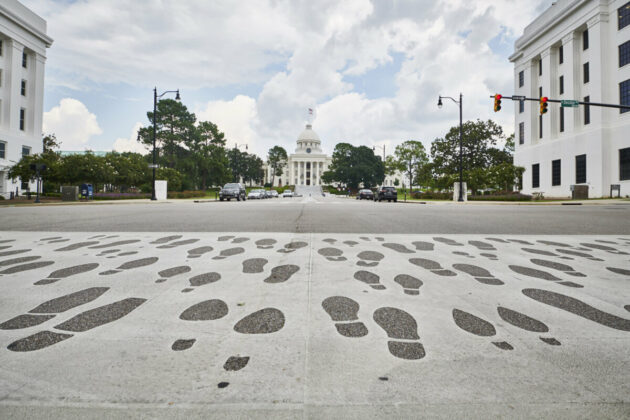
236,324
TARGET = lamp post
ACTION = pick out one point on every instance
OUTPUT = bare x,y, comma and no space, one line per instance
461,129
155,101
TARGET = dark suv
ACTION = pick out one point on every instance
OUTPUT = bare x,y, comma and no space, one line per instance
234,190
386,193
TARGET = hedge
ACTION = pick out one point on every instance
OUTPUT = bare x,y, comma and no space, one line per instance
500,197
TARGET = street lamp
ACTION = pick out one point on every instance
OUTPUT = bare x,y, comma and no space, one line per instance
439,104
155,101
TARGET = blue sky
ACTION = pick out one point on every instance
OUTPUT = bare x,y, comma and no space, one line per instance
372,70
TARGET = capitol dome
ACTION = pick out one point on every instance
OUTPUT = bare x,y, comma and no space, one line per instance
308,141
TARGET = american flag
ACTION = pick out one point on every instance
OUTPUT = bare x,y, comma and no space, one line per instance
310,111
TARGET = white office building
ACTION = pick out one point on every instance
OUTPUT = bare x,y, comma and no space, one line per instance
576,50
23,43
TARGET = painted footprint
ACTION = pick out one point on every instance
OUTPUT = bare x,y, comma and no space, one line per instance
239,240
423,246
19,260
82,322
229,252
605,248
370,279
265,243
552,243
479,327
410,284
483,246
369,258
235,363
208,310
332,241
77,245
526,323
198,252
292,247
49,309
143,262
166,239
400,325
578,254
14,252
282,273
448,241
107,252
224,238
201,280
332,254
543,275
183,344
172,272
557,266
491,257
499,240
178,243
254,265
579,308
478,273
398,248
520,241
344,312
67,272
26,267
463,254
351,243
432,266
264,321
117,243
621,271
540,252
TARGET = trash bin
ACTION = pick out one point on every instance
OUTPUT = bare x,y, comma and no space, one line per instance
86,191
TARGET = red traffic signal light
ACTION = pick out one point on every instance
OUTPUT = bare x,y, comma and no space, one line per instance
497,102
543,105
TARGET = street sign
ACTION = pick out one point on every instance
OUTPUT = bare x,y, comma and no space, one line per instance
518,98
569,104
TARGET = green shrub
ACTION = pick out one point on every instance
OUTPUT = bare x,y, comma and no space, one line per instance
433,195
120,196
186,194
500,197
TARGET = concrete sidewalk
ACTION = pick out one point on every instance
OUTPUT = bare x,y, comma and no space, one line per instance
283,325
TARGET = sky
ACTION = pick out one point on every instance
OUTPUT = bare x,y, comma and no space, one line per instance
371,70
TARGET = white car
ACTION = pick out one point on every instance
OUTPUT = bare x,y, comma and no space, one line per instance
287,193
256,194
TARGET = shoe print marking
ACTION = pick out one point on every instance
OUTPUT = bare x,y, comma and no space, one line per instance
229,252
398,248
264,321
100,316
557,266
484,246
179,243
369,258
448,241
292,247
370,279
166,239
203,279
235,363
183,344
332,254
112,244
198,252
172,272
78,245
410,284
254,265
619,271
344,312
265,243
208,310
480,274
423,246
19,260
67,272
432,266
282,273
526,323
477,326
26,267
400,325
37,341
143,262
351,243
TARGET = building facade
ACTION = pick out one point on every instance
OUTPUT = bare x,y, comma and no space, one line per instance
23,43
576,50
308,163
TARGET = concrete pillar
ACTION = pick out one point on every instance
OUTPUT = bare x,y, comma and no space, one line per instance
13,81
567,69
299,180
545,82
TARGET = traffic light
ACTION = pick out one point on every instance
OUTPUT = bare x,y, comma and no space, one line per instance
543,105
497,102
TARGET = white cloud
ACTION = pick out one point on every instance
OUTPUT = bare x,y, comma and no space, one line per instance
72,123
131,144
236,118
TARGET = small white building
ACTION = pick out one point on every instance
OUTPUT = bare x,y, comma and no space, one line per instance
308,163
576,50
23,43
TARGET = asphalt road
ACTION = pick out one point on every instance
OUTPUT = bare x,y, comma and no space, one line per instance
320,215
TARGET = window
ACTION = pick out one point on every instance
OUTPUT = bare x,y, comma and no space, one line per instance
521,133
587,111
23,88
540,127
555,172
624,54
0,47
561,85
26,151
536,175
521,107
587,75
580,169
3,148
24,59
22,115
540,67
521,78
585,40
560,54
624,164
562,120
540,92
623,14
624,95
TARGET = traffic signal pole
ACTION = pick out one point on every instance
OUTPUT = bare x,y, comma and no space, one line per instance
523,98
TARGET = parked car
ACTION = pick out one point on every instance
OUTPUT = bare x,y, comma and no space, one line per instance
232,190
255,194
386,193
365,194
274,194
267,194
287,193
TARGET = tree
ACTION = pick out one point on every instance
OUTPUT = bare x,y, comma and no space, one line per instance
412,159
238,163
50,142
209,155
353,166
276,159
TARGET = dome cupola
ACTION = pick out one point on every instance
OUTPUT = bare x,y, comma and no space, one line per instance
308,141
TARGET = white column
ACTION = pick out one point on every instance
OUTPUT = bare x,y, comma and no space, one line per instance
299,180
545,82
567,69
317,173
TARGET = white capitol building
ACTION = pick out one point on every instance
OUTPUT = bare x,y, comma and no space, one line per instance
308,163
